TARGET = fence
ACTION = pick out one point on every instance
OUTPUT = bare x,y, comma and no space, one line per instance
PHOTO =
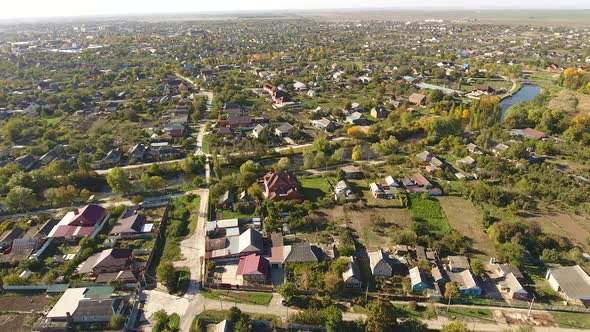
160,236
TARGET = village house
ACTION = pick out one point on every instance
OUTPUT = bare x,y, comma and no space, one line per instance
253,269
357,119
474,149
352,172
284,129
511,285
418,282
571,282
379,112
352,275
110,265
80,223
280,186
249,242
86,305
342,190
380,267
134,226
417,99
296,253
323,124
137,153
257,131
277,95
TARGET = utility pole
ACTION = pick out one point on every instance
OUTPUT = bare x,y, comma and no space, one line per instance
531,307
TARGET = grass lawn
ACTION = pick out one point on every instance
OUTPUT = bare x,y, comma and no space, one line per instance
183,278
471,314
314,188
572,320
428,210
239,297
540,286
205,146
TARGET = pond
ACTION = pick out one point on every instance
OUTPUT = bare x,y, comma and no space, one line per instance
526,93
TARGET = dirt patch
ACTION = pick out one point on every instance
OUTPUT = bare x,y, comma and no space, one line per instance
574,227
361,221
378,236
25,303
466,219
12,322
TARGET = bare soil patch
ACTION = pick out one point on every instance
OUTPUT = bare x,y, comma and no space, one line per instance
574,227
25,303
12,322
466,219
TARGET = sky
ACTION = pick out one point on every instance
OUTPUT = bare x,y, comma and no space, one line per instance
12,9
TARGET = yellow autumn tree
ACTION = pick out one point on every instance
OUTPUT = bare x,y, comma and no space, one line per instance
570,72
356,156
465,114
355,132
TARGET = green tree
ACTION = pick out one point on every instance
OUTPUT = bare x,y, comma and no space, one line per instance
287,291
334,321
118,180
381,316
20,198
451,290
308,159
283,164
166,273
151,182
117,322
83,163
476,266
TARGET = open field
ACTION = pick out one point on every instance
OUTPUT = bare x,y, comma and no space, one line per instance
16,322
465,219
574,227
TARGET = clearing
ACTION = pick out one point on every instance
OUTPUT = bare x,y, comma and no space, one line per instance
467,220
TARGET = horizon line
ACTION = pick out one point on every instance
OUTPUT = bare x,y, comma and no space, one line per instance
217,12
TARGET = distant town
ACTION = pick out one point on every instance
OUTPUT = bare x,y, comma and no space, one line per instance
316,173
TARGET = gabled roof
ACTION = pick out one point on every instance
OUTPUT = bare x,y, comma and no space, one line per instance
416,276
297,253
353,271
110,259
377,257
252,264
572,280
129,225
80,222
250,240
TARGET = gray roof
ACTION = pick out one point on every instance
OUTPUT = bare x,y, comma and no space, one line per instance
352,271
301,253
572,280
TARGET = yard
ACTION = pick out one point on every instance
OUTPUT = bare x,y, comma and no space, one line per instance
315,188
467,220
571,226
539,285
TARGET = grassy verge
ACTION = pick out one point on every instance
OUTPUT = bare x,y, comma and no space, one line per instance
471,314
239,297
572,320
419,312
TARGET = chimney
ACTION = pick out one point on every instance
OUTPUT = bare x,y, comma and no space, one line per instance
76,211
